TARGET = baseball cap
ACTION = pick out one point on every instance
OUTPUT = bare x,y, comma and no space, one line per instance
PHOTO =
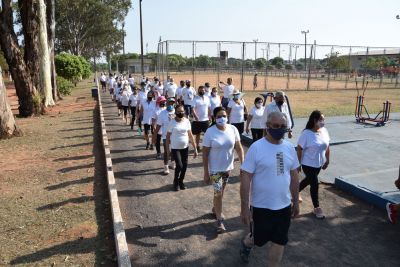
171,99
160,99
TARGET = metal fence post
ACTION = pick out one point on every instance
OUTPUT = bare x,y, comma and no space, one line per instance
166,57
218,62
349,70
365,68
309,68
242,67
329,69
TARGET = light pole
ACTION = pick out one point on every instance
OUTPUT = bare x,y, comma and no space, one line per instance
295,55
255,48
123,37
263,50
141,38
305,48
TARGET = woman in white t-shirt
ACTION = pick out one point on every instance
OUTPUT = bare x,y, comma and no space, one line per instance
178,135
256,120
237,111
215,100
218,144
313,154
125,102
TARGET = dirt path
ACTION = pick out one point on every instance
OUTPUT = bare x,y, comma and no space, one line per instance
167,228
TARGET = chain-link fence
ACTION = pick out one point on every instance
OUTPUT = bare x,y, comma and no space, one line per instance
266,66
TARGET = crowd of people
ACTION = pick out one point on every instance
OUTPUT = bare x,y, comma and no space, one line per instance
177,116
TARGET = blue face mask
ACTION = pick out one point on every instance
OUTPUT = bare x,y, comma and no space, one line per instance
170,108
277,134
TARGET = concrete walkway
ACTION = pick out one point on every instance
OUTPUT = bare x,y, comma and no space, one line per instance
167,228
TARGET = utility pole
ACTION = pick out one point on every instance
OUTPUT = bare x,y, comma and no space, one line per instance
263,50
305,48
295,55
123,37
141,38
147,48
255,48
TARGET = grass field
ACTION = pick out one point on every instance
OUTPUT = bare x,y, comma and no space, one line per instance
53,191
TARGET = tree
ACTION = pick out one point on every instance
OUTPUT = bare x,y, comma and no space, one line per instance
51,31
45,66
8,127
24,85
277,60
260,63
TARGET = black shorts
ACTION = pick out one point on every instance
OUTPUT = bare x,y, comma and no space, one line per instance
147,128
103,83
133,111
125,108
199,126
270,225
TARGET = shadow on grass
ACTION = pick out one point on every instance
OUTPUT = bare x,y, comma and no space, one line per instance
74,168
103,244
68,183
70,146
74,158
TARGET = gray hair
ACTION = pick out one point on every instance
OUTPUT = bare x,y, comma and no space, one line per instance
276,114
279,93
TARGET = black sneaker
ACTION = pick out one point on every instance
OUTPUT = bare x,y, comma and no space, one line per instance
244,252
151,147
176,187
147,146
182,186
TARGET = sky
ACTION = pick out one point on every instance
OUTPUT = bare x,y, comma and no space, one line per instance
341,22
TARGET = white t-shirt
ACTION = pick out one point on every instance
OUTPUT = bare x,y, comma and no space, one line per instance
171,90
257,121
148,111
314,146
103,78
179,133
207,91
111,82
125,98
237,111
142,97
188,95
163,120
273,107
271,165
228,90
131,81
156,115
134,100
215,101
159,89
201,106
221,144
179,91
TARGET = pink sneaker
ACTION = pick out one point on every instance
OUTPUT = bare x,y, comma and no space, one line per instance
392,213
319,213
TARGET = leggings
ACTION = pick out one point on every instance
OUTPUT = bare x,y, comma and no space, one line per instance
133,113
257,134
164,141
158,144
181,161
312,180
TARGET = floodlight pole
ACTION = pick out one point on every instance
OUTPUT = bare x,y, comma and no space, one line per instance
305,48
255,48
141,38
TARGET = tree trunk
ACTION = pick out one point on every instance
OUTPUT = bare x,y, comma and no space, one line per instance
51,32
19,71
8,127
45,67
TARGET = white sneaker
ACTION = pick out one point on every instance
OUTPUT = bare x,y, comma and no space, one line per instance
172,165
166,169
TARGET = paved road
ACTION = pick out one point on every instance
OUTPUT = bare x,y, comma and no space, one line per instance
167,228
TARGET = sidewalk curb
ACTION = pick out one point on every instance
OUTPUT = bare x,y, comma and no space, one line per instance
121,246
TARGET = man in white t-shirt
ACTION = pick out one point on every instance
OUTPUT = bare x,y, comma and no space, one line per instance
179,91
111,82
147,110
269,179
170,89
279,105
207,89
201,114
103,81
188,94
131,80
228,89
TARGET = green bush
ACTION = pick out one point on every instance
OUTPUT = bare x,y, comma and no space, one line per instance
85,67
71,67
64,86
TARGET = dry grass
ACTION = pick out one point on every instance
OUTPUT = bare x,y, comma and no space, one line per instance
54,209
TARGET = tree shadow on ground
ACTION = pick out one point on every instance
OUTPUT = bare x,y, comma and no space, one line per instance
131,174
76,200
76,129
78,136
74,168
68,183
74,158
70,146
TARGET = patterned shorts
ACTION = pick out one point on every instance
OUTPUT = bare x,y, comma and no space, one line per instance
219,180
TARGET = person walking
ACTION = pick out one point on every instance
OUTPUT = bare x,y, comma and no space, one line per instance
179,92
165,117
215,101
391,208
125,102
147,110
269,183
255,119
157,136
279,104
228,90
171,88
313,153
188,94
133,104
219,143
103,81
201,114
178,135
255,82
237,111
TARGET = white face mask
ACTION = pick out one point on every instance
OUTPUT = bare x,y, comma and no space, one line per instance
258,105
221,121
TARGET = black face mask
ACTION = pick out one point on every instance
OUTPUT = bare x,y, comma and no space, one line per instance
201,93
279,103
180,114
149,98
